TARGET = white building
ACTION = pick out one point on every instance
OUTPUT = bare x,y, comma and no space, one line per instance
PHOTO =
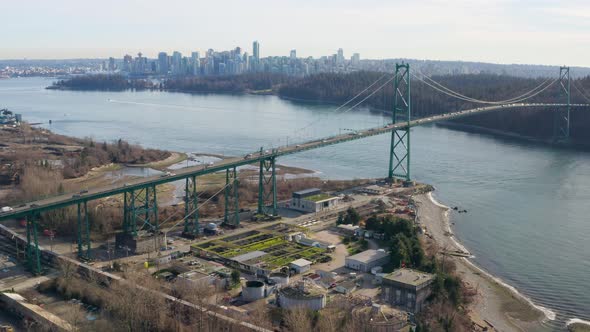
367,260
312,200
300,265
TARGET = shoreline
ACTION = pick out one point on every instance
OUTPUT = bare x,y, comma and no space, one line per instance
497,305
549,314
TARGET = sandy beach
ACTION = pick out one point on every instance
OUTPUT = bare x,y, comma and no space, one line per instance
497,306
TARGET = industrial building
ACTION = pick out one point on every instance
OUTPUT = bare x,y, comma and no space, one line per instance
407,289
312,200
261,251
367,260
348,229
300,265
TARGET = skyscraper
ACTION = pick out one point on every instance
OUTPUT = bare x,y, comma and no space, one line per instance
177,62
127,60
355,60
195,63
111,64
163,63
293,54
256,54
340,57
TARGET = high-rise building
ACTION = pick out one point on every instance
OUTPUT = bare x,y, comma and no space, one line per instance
163,63
293,54
340,57
127,59
195,63
111,64
246,61
355,60
256,54
177,63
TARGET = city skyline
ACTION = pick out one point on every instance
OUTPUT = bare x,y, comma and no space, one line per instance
504,31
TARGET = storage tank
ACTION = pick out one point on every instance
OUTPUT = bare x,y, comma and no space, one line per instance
279,278
304,294
253,291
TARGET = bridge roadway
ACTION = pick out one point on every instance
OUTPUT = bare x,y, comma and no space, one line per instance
64,200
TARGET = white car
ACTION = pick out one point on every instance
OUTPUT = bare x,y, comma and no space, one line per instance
6,209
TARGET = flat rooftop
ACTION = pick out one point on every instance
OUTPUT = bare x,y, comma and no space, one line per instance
300,262
368,256
319,198
409,277
248,256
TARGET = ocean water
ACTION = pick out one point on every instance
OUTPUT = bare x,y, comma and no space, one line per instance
528,220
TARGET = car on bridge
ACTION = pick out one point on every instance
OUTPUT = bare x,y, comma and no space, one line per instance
6,209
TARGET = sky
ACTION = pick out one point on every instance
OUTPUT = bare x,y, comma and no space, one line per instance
499,31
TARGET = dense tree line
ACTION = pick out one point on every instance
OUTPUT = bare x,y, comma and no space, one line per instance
251,82
448,298
339,88
226,84
102,82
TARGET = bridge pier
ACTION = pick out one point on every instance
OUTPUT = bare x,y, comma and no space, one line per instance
191,209
232,208
83,231
267,187
32,252
140,206
399,153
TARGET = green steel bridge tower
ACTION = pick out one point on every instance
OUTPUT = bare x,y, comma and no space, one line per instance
399,154
561,123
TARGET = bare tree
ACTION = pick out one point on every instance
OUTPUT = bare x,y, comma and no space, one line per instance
298,320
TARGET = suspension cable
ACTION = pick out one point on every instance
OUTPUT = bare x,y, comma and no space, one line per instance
518,98
369,96
581,91
473,100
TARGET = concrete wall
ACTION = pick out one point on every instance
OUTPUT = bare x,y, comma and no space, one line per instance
309,303
139,245
409,299
11,302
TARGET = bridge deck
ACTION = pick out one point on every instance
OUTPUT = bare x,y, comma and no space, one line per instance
97,193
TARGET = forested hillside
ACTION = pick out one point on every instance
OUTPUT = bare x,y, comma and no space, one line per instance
226,84
102,82
426,101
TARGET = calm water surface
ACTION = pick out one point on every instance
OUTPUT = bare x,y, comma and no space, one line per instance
529,205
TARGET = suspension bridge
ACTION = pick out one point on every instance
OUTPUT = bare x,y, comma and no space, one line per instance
140,204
